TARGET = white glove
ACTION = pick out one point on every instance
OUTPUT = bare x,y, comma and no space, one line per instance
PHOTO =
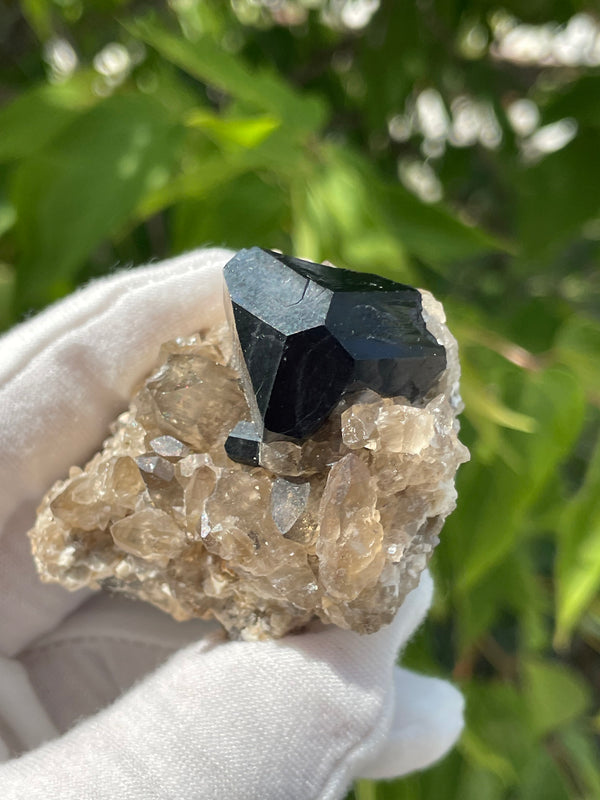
297,718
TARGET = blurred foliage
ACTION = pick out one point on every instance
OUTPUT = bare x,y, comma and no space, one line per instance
448,143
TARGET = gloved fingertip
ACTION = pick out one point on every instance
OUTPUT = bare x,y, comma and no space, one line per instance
427,722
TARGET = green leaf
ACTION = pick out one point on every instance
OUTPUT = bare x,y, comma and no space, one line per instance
37,116
577,346
336,217
345,212
541,779
558,195
431,232
486,757
210,63
495,497
85,186
365,790
197,182
7,290
555,694
245,132
38,14
481,402
510,587
208,168
8,216
501,740
257,207
497,737
578,100
582,760
476,784
578,558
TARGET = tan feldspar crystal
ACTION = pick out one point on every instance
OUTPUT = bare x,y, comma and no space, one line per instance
338,527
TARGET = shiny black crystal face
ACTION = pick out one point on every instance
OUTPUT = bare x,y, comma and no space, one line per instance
309,332
243,444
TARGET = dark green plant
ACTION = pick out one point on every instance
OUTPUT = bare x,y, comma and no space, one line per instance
128,135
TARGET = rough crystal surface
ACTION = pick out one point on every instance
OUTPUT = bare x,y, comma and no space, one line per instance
336,527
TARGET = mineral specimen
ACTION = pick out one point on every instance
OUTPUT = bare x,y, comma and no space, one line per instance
336,523
311,332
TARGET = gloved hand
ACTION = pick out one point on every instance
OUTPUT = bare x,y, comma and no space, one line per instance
297,718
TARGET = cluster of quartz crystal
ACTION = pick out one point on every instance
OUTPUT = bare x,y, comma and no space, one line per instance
338,527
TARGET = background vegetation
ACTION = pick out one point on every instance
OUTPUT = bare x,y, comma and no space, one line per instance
451,144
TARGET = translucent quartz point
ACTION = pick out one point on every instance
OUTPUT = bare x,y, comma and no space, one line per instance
288,501
336,525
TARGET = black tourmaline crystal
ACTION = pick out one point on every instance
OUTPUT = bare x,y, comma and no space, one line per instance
243,443
310,332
